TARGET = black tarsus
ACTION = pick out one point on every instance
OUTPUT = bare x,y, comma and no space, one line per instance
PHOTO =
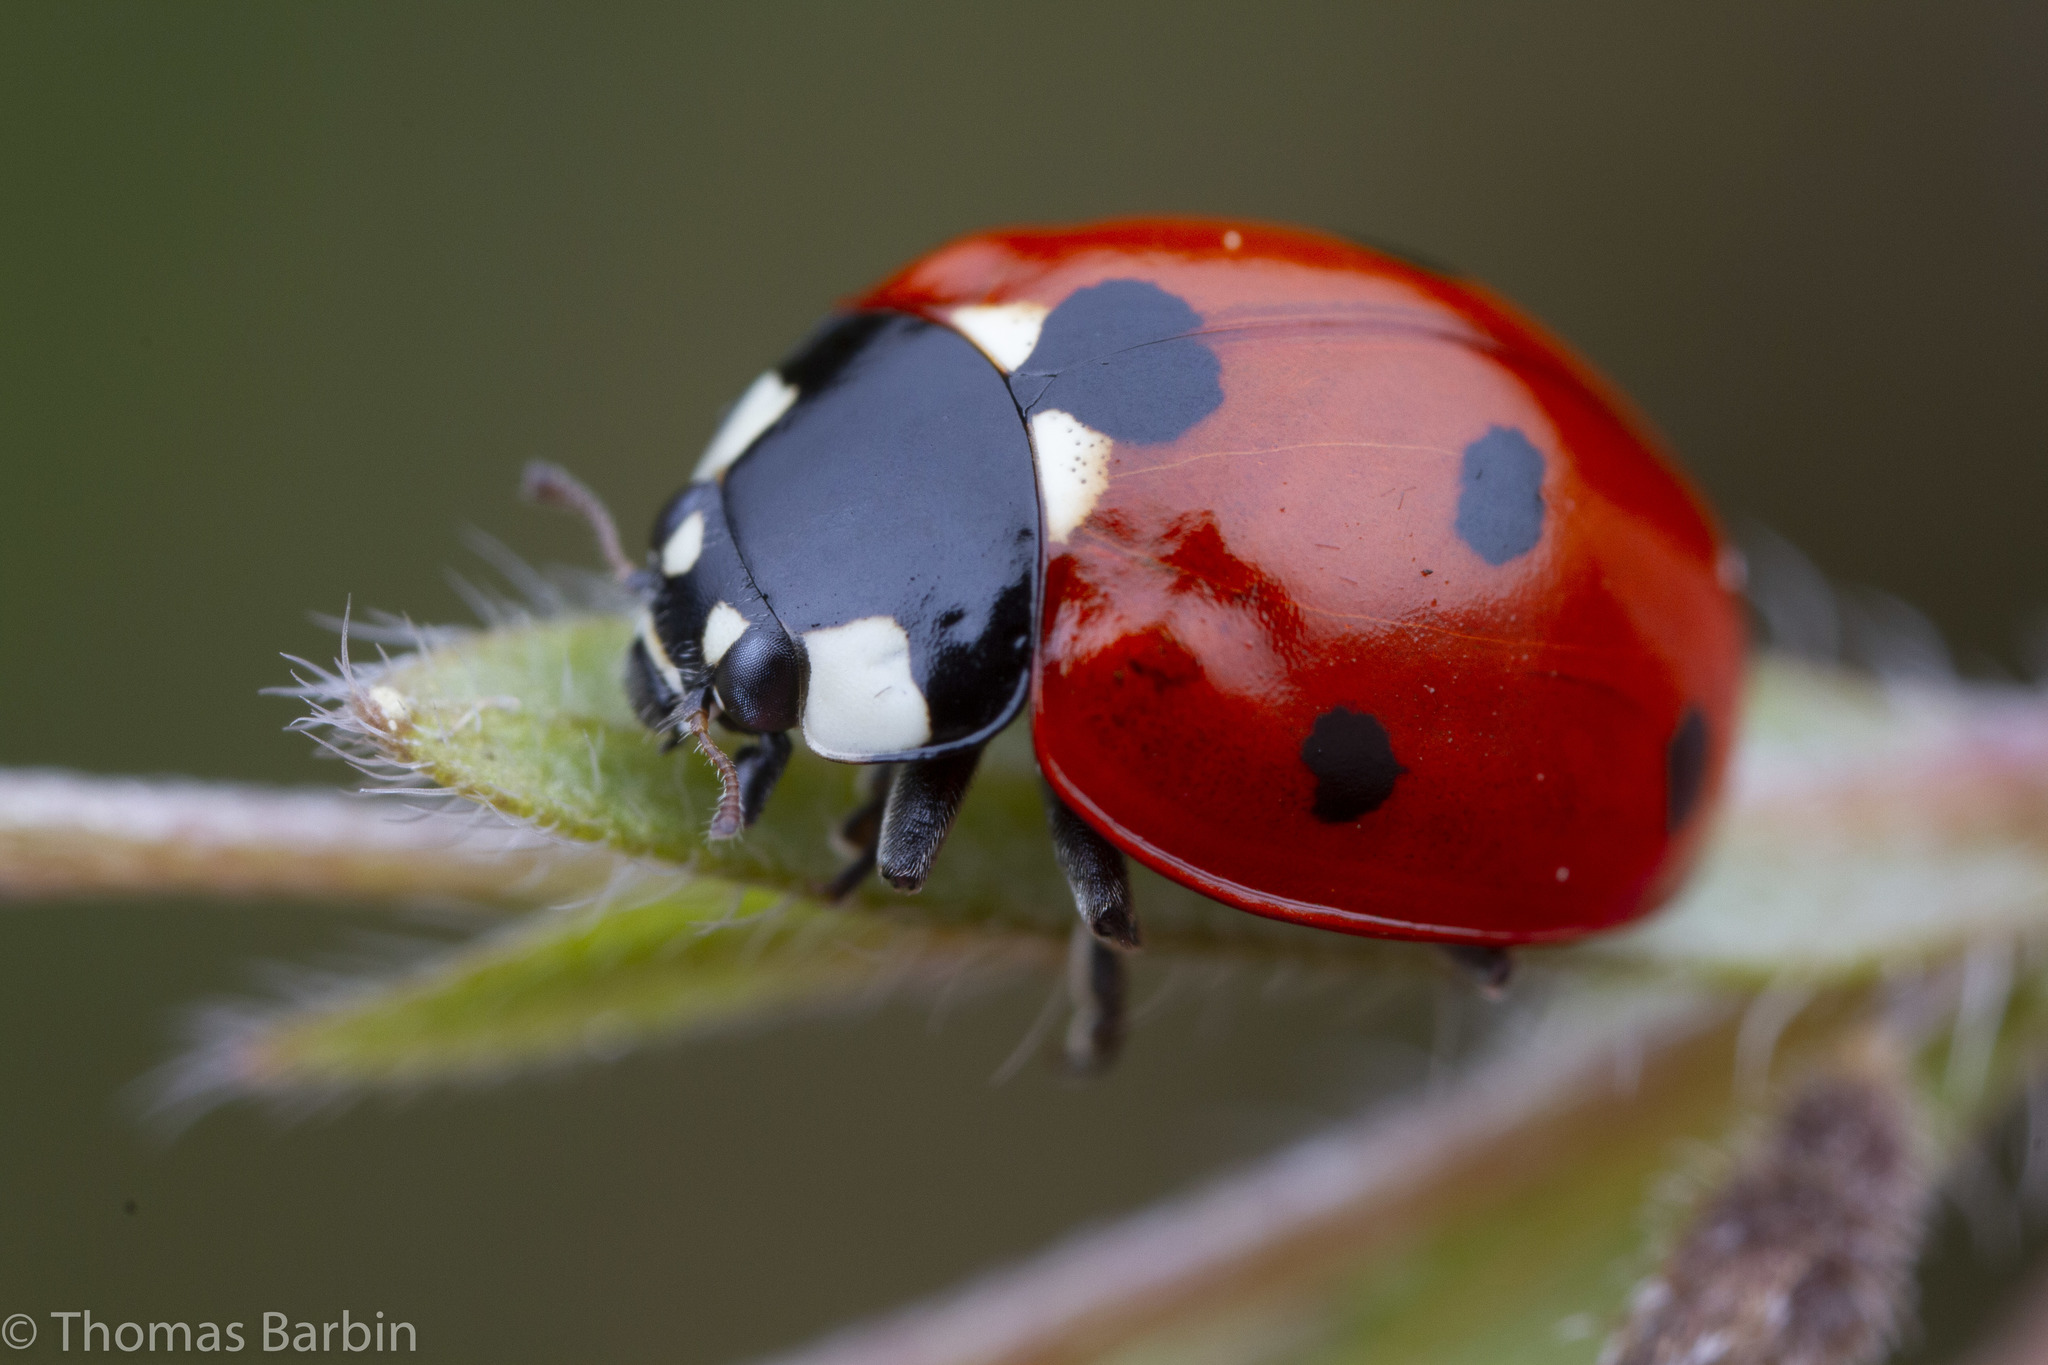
859,834
760,764
1096,874
1096,984
924,796
1489,969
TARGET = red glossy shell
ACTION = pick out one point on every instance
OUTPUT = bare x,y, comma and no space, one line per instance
1296,552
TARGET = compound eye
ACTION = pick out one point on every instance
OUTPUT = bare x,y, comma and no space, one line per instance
759,681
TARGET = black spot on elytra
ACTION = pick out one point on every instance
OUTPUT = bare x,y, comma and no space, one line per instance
1122,357
1500,501
1685,767
1353,763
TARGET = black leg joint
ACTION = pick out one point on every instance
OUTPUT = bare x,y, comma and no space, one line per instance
1096,874
923,799
858,834
1097,986
1490,969
760,764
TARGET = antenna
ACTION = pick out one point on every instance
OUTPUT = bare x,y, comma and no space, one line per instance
553,486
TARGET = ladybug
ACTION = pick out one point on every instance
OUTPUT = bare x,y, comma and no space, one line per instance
1336,589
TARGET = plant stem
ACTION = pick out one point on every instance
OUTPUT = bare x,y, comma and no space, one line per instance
1270,1227
70,834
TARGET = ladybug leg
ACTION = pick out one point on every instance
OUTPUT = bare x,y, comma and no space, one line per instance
1096,985
1487,968
859,834
918,814
1095,873
760,764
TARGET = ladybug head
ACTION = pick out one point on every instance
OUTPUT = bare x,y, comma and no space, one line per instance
708,639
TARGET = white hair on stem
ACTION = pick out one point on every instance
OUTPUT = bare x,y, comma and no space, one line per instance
1763,1023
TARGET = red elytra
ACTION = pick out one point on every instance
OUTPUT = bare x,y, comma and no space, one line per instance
1297,555
1558,722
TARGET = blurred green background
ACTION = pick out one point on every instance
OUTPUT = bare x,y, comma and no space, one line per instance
288,294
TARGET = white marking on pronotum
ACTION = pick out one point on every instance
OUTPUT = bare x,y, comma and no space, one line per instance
650,639
685,543
1073,469
1007,333
724,626
861,699
759,408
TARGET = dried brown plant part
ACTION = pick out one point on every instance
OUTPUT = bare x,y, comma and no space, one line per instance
1805,1255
